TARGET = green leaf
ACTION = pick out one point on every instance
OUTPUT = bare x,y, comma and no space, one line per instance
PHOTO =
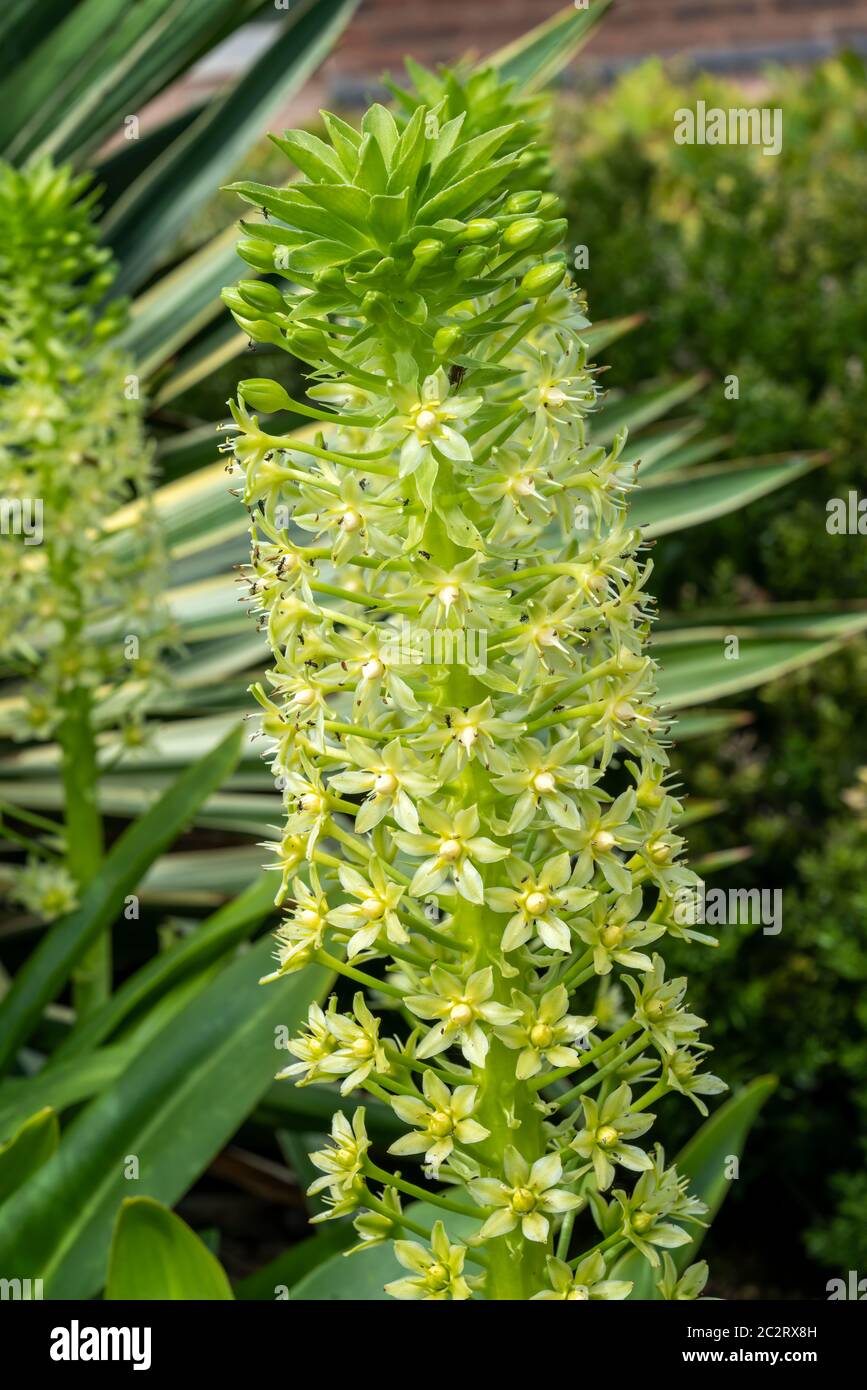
361,1278
706,493
175,1106
535,59
155,1255
696,668
599,335
173,310
213,938
74,55
27,1150
641,407
59,1087
704,1161
48,967
290,1267
146,221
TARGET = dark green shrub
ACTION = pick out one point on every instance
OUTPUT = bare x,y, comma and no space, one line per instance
753,266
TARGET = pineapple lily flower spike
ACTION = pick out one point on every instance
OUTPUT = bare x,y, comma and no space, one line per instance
484,849
87,626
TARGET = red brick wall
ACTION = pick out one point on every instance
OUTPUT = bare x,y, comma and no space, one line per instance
721,33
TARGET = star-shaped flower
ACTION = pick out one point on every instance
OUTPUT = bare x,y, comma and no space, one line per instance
585,1283
393,779
441,1120
529,1196
607,1128
450,851
459,1005
374,911
544,1031
436,1275
536,901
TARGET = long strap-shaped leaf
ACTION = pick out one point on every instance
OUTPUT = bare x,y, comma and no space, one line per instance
173,1108
535,59
48,967
143,225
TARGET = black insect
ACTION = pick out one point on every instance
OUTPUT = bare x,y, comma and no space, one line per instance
457,374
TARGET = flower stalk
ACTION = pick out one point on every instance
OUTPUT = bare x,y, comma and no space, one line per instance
499,830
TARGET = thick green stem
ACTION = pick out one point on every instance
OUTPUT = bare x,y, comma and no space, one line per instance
91,979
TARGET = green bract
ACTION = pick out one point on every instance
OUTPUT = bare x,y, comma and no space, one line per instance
479,830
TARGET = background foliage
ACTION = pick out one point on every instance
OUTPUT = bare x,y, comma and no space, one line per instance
753,265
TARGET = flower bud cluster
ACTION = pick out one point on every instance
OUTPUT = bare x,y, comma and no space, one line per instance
487,852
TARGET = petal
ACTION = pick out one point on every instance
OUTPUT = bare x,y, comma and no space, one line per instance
499,1224
535,1227
545,1172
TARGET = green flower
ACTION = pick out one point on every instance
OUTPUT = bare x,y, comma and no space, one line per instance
459,1005
680,1072
452,849
685,1288
436,1275
300,935
544,1032
658,1008
585,1283
342,1164
373,914
450,492
441,1120
607,1129
528,1197
392,779
614,929
535,902
47,890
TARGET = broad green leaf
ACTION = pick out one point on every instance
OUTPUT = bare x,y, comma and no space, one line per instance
213,938
706,493
361,1278
27,1150
695,670
199,362
154,1256
766,620
173,310
720,859
74,55
205,876
599,335
48,967
311,1107
534,60
653,449
289,1268
244,813
704,1160
60,1087
688,454
700,723
175,1106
